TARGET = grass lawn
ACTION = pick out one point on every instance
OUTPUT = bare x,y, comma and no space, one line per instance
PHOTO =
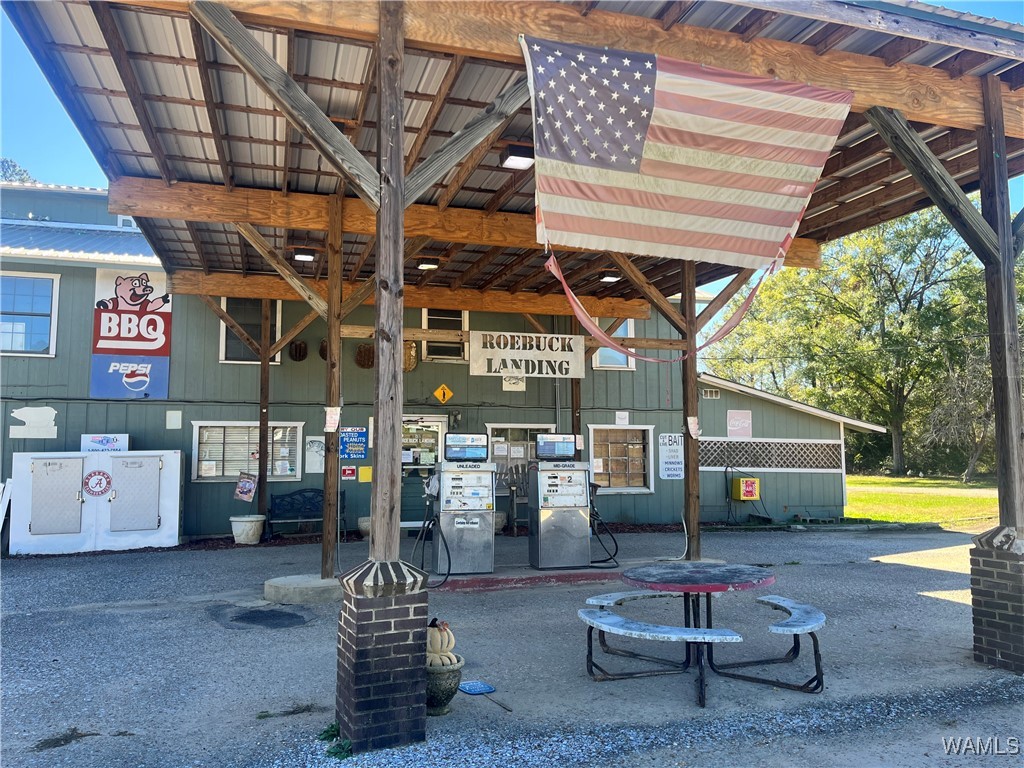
946,501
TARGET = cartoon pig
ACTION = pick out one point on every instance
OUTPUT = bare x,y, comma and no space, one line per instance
133,293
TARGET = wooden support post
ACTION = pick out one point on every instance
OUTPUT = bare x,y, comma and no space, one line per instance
264,449
333,393
691,443
386,497
576,395
1001,294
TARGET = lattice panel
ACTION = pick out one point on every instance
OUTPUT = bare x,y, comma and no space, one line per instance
776,454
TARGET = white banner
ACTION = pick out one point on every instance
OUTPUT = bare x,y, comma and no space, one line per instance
531,355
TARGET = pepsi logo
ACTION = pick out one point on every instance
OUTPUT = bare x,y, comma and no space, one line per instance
136,381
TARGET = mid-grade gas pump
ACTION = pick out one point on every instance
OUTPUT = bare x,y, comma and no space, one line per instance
464,536
559,505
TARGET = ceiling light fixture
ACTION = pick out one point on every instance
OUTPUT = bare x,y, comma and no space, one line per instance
610,277
517,156
428,263
304,254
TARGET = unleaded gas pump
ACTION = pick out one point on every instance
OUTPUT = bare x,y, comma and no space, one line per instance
463,539
559,505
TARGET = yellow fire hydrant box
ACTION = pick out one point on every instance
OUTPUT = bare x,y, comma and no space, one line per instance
746,489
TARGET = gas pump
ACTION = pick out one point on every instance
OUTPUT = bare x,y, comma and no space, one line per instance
559,505
464,537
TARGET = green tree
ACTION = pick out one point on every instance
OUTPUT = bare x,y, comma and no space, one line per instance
864,334
11,171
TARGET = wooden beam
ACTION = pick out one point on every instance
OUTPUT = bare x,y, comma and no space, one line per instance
836,36
332,389
931,28
754,24
1001,302
675,12
509,269
515,182
263,462
1018,234
691,408
359,295
649,292
941,187
194,282
534,323
364,254
126,71
481,30
610,330
479,265
478,133
436,105
208,202
386,490
287,96
233,326
206,83
716,304
294,331
287,272
193,233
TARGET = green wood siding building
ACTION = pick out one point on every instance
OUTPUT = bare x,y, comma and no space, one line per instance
794,450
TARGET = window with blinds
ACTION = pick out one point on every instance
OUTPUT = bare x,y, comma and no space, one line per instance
221,450
620,458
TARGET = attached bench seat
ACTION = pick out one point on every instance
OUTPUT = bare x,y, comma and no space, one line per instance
612,599
803,619
606,621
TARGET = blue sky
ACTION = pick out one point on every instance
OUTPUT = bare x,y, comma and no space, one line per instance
37,133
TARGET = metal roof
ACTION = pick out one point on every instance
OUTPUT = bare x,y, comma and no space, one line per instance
151,105
19,238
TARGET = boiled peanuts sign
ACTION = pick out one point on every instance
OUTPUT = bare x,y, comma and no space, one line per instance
535,355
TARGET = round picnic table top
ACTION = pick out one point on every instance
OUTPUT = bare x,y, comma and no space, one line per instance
698,577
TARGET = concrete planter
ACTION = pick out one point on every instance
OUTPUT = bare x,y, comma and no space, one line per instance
442,685
247,529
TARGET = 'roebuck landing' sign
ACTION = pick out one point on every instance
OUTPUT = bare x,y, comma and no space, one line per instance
533,355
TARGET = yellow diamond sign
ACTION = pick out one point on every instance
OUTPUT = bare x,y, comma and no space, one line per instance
443,394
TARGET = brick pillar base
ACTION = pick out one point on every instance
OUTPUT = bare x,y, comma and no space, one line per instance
382,656
997,597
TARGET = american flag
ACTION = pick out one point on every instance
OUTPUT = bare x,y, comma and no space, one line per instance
641,154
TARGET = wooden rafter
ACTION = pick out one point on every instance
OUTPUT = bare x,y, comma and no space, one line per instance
534,323
470,145
197,243
754,23
297,106
479,264
649,292
836,35
716,304
864,17
207,202
450,253
515,182
112,36
897,49
232,325
617,323
292,332
283,268
220,144
481,30
436,105
194,282
675,12
508,269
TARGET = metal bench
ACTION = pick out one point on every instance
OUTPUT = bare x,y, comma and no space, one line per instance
302,506
802,620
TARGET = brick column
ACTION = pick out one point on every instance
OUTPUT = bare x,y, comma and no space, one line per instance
382,656
997,599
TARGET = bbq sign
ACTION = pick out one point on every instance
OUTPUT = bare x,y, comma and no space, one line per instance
131,336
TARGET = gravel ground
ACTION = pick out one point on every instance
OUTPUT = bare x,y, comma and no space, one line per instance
172,658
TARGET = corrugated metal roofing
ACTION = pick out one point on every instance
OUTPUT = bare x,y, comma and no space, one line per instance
15,238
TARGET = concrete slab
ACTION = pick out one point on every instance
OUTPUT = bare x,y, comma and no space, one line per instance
308,589
101,652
